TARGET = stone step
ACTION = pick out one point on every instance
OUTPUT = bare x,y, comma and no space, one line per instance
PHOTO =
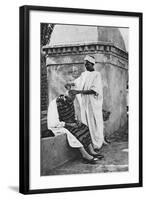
55,151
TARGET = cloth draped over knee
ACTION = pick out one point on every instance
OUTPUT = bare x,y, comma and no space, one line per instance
91,105
57,126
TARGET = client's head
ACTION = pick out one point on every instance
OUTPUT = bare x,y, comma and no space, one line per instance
69,92
71,95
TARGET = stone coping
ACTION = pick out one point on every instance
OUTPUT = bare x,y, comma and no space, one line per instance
91,47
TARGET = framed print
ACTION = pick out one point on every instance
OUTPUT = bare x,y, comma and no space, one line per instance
80,99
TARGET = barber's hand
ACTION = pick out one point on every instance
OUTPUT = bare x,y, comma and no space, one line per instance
69,85
72,84
74,92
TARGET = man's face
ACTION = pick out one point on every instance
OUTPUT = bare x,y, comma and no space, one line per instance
89,66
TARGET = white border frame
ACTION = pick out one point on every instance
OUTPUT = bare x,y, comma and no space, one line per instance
132,176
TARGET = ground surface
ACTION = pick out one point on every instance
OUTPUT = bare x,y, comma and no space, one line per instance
115,160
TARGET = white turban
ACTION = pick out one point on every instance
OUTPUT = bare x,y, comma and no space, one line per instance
90,59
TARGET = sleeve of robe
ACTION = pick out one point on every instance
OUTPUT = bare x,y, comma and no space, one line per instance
97,85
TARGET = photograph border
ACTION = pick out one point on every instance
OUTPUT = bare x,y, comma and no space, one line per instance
24,89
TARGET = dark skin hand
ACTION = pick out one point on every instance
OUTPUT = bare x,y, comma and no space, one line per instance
86,92
68,85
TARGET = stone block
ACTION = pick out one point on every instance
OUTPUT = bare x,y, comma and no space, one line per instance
55,151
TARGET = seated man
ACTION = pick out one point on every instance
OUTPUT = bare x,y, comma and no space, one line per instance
67,120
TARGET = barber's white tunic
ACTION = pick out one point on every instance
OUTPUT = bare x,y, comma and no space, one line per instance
91,105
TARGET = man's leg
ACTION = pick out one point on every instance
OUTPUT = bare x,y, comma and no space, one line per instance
93,152
85,154
88,159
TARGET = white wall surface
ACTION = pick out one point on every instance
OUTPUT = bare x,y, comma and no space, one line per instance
9,101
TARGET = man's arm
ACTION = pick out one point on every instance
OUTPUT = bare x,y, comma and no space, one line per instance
86,92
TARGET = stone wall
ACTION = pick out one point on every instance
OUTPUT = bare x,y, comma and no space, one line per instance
66,63
44,89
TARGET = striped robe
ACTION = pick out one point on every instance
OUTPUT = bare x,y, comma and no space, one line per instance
66,111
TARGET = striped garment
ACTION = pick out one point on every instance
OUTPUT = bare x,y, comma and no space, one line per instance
66,111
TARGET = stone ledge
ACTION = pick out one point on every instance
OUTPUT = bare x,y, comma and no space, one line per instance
82,48
55,151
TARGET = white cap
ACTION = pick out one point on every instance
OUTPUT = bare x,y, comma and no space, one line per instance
90,59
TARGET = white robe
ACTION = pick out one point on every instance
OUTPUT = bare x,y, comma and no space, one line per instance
91,105
58,127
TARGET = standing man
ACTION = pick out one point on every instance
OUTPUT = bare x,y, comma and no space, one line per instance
88,88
